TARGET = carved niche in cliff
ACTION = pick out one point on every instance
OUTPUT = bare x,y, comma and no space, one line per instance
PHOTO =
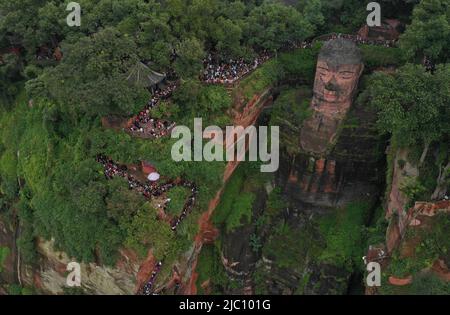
338,70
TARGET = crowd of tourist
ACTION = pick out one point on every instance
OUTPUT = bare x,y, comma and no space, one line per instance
290,45
147,126
217,71
152,189
220,72
360,40
188,206
147,289
113,169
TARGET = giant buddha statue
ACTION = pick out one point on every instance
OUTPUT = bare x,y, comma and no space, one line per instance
338,70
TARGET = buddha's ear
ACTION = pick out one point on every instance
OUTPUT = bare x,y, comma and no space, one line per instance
361,69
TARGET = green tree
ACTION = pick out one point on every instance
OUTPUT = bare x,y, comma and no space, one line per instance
121,202
10,67
190,54
27,25
273,24
413,104
228,36
146,231
313,12
198,99
92,76
429,32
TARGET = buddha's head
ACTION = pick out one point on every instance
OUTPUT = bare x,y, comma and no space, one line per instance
339,67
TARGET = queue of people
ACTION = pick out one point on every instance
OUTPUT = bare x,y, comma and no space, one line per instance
147,126
188,206
113,169
152,189
290,45
227,72
360,40
147,289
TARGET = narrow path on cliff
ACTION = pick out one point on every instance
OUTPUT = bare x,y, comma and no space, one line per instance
152,190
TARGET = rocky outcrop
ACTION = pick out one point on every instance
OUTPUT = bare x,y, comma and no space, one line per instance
340,160
50,277
402,170
238,257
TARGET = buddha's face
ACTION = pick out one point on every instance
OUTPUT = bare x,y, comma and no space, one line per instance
336,83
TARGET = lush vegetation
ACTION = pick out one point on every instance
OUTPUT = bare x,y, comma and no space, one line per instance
236,205
378,56
412,103
428,244
4,253
275,204
145,232
210,268
334,241
261,79
289,111
15,289
291,247
48,145
344,236
115,34
65,194
178,197
429,32
412,107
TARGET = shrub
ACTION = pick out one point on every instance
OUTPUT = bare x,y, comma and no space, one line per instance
379,56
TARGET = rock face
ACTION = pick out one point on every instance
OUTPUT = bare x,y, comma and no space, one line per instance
403,170
339,67
314,186
341,154
352,170
50,278
238,257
